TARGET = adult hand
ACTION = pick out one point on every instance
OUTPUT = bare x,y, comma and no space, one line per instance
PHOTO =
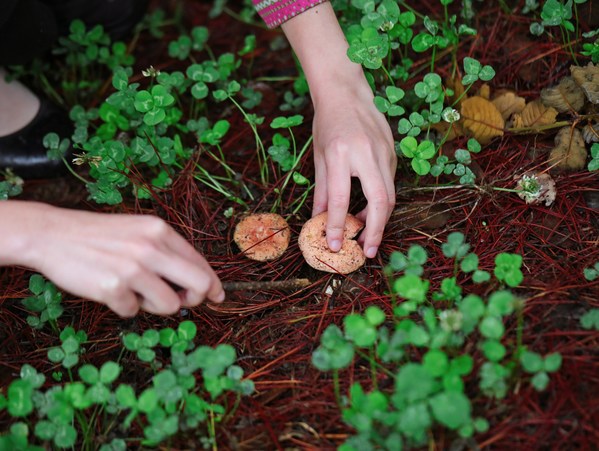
123,261
353,139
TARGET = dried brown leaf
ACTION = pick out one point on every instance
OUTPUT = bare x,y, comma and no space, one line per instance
485,91
590,133
569,152
588,79
566,96
481,119
509,103
535,114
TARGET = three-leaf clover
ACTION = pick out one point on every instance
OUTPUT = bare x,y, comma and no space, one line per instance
475,71
368,47
534,363
287,122
456,246
335,351
180,339
46,300
507,269
153,104
143,344
68,352
57,148
362,329
410,263
389,105
420,153
201,74
99,381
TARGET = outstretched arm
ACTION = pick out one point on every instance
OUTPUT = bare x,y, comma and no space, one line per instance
351,137
123,261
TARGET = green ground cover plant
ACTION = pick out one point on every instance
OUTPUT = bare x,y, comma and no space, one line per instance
189,392
441,358
418,354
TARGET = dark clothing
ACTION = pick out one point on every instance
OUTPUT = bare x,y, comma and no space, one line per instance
29,28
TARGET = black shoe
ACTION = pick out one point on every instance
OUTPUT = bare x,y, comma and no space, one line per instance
24,152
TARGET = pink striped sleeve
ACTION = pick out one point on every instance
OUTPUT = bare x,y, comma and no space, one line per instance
275,12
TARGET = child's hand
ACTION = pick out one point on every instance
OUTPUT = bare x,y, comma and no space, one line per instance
353,139
123,261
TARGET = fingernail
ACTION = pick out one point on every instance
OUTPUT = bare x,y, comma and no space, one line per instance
220,297
371,252
335,245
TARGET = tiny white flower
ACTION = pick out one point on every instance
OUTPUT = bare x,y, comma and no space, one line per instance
150,72
451,115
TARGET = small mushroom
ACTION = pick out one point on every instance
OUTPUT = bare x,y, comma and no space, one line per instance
262,236
313,244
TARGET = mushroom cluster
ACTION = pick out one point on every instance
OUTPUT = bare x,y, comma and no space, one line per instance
265,236
313,244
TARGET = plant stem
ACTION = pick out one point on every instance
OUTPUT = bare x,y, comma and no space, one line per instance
212,431
337,387
389,77
373,373
262,158
300,201
277,202
519,330
378,365
71,170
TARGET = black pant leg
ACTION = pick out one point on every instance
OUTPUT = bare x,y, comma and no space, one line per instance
27,31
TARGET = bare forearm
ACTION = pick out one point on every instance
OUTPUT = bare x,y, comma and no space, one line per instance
18,223
321,47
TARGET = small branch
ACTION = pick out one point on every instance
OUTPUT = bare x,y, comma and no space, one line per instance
281,285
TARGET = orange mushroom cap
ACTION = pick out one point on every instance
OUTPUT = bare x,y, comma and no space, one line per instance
262,236
313,244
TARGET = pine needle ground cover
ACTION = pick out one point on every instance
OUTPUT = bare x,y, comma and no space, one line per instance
474,328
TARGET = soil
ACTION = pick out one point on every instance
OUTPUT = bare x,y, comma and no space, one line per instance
275,332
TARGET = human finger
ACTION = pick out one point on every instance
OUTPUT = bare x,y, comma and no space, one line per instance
320,186
156,296
339,186
196,274
126,305
195,277
380,205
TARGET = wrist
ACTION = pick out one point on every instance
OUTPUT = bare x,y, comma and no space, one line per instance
340,84
21,226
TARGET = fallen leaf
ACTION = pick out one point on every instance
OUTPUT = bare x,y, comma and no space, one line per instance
452,131
590,133
422,215
509,103
485,91
455,84
536,188
566,96
569,152
535,114
588,79
481,119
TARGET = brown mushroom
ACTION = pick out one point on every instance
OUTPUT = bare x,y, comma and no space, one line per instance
262,236
313,244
